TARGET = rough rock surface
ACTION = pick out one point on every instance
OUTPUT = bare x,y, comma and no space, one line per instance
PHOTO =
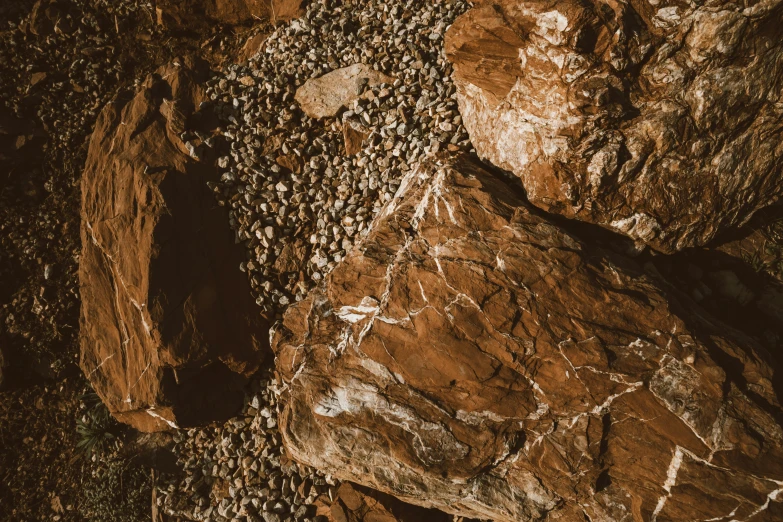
352,504
182,15
661,121
355,136
169,331
323,97
472,356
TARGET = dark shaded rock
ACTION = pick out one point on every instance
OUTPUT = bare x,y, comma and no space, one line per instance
472,356
661,122
169,331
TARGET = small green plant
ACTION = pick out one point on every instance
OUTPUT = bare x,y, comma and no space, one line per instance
97,429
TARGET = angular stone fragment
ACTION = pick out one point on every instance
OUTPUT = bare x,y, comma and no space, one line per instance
324,96
251,47
169,331
471,355
660,121
354,136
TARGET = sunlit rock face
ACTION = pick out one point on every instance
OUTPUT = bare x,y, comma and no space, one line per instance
473,356
660,120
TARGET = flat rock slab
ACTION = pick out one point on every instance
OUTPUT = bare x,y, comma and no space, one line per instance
323,97
660,122
169,331
473,356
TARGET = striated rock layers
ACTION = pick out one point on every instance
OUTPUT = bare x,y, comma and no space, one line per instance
660,120
169,331
472,356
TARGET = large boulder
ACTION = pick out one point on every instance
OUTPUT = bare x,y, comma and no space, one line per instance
658,120
169,331
471,355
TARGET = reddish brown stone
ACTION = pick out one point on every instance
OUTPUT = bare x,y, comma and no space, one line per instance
660,121
169,330
473,356
323,97
251,47
354,135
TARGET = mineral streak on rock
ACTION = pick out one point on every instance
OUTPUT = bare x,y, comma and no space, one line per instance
658,120
471,355
169,331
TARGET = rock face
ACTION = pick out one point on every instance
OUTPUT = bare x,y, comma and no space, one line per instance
472,356
168,328
323,97
660,121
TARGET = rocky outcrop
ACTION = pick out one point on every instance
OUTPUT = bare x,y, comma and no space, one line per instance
661,121
471,355
169,331
324,96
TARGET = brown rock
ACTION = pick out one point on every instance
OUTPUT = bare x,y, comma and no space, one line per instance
354,134
283,10
291,162
471,355
169,331
251,47
660,122
323,97
37,78
292,257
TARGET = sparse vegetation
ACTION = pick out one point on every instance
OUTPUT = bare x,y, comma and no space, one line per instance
98,431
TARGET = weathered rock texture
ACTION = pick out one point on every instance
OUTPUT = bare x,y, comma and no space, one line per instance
659,120
470,355
184,15
352,504
324,96
169,331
